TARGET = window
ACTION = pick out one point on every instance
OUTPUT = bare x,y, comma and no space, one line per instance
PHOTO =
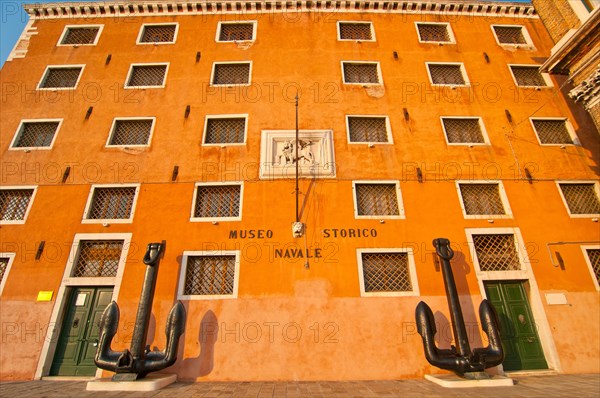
225,129
529,76
84,35
36,134
581,199
496,252
464,130
97,258
6,260
15,203
479,200
362,31
236,31
387,272
552,131
163,33
367,129
361,73
209,275
231,73
111,203
147,75
131,132
447,74
435,33
373,199
217,202
61,77
592,254
512,35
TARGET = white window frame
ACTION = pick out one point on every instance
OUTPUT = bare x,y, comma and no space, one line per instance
118,119
562,196
339,36
388,129
13,187
503,199
448,29
486,138
12,146
158,43
463,71
226,116
66,29
212,74
221,23
584,249
183,274
412,270
88,205
401,216
528,41
545,76
164,83
568,124
48,67
11,259
379,75
217,219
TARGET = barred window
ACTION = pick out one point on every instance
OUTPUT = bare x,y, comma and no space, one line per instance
434,32
230,130
235,73
581,198
376,199
36,134
361,73
210,275
510,34
496,252
481,199
147,76
61,77
463,130
367,129
217,201
3,267
80,35
552,131
594,257
111,203
236,31
386,272
160,33
528,76
448,74
131,132
14,204
355,31
98,258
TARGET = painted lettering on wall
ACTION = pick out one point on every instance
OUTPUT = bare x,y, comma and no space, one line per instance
298,253
250,234
350,233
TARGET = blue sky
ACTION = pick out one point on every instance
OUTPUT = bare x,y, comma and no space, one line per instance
13,19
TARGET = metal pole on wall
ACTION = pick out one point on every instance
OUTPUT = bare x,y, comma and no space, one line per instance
297,161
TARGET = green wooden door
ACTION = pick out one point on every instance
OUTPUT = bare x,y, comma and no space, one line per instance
78,339
518,332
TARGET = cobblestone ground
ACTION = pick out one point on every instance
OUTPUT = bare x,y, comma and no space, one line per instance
572,386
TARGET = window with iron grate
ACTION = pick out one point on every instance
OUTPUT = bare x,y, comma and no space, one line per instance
378,199
594,257
14,204
386,272
159,33
481,199
447,74
217,202
3,267
361,73
36,134
60,77
225,130
552,131
463,130
509,34
434,32
581,198
528,76
367,129
496,252
131,132
355,31
231,73
210,275
84,35
97,258
113,203
234,31
147,76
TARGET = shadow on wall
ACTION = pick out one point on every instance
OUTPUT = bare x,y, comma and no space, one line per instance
202,365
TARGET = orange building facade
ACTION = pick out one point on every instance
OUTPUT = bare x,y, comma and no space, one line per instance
130,123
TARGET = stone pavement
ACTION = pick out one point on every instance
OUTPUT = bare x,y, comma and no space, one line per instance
578,386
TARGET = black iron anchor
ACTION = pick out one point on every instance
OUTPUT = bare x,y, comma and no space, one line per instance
137,363
459,358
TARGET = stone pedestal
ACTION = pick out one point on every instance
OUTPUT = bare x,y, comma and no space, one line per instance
454,381
151,382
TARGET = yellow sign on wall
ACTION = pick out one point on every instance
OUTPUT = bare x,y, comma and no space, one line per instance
44,295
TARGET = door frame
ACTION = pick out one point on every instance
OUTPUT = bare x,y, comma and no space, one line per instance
59,309
525,274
